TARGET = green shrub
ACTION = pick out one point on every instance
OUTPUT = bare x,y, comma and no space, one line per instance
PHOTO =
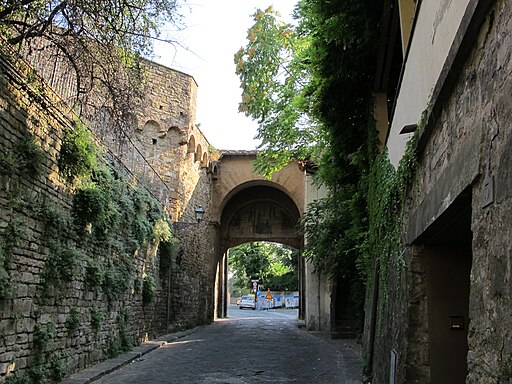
89,206
94,274
59,367
162,230
78,153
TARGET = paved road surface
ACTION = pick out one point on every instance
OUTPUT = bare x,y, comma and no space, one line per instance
248,347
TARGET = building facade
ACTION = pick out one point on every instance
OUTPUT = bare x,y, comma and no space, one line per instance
447,315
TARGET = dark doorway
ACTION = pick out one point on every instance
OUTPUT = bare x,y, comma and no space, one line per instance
448,259
346,308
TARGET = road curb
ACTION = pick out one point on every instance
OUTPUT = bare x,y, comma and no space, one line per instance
95,372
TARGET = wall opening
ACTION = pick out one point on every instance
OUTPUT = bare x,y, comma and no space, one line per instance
254,268
447,264
344,322
253,217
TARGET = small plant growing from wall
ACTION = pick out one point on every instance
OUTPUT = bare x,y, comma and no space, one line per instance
60,268
94,274
73,321
148,289
97,317
78,153
25,159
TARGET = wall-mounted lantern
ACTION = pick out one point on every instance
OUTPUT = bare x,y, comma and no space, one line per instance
199,211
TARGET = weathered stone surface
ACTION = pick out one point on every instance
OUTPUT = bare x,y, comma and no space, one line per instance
470,139
27,310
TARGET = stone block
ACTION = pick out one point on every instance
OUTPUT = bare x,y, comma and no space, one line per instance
7,357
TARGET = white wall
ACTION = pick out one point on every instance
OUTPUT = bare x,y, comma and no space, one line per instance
436,26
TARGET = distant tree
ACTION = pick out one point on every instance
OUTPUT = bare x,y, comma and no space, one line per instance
273,265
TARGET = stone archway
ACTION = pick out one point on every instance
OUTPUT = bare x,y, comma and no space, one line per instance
249,208
259,212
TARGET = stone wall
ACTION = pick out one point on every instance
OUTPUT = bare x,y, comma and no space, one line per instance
48,330
167,135
465,163
163,130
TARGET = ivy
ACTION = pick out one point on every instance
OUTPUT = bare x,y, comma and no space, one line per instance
387,202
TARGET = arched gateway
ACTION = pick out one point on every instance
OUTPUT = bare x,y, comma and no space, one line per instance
247,207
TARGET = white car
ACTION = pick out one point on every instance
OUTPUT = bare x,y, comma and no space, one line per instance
247,302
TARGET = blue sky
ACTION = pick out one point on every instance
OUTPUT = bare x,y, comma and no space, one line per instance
214,31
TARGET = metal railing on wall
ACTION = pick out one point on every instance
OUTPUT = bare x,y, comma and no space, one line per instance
119,149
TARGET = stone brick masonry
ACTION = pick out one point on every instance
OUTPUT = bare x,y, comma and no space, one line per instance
26,317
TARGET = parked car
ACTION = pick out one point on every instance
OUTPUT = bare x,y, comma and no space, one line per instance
247,302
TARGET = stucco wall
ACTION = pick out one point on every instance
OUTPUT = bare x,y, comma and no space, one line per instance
318,287
435,29
236,172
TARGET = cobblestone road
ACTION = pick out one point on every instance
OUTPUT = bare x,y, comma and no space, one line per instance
248,347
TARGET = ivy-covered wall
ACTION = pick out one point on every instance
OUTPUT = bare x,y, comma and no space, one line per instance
85,250
457,203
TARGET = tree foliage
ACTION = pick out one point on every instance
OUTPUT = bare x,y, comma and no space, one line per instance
273,74
273,265
99,43
126,24
309,86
